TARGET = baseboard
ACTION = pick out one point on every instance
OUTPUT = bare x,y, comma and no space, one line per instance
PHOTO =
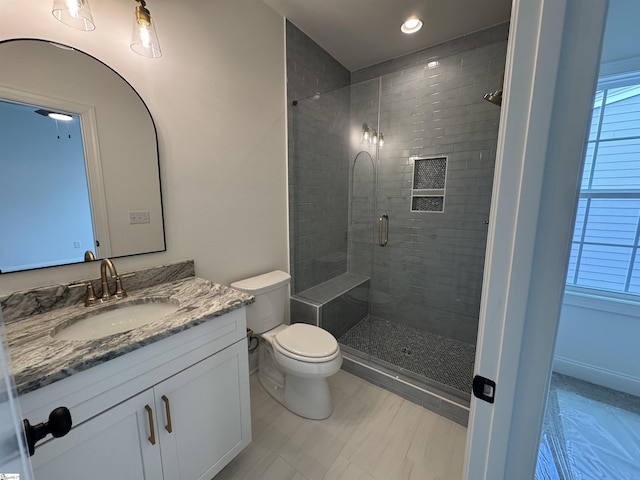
597,375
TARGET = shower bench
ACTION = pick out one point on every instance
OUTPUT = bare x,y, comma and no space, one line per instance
335,305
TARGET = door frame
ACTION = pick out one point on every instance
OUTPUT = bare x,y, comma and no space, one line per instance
550,78
14,457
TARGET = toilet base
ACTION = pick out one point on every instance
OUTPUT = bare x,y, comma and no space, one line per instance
308,397
304,396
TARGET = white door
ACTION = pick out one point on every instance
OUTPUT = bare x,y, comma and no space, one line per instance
550,79
13,455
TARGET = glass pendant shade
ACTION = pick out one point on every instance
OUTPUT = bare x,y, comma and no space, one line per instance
366,133
74,13
144,40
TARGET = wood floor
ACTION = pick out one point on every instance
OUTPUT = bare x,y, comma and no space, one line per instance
372,435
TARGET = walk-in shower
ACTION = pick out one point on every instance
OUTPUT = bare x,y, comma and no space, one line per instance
388,241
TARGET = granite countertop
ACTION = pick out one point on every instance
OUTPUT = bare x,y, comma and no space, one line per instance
38,359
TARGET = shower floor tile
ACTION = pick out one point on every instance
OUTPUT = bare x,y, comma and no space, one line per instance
424,354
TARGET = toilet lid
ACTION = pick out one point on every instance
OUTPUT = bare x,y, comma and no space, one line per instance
307,341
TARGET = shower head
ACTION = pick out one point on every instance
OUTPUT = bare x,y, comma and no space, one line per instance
495,97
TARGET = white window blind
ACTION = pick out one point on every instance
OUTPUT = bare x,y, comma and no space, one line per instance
604,253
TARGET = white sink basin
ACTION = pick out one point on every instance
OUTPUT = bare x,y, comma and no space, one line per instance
120,319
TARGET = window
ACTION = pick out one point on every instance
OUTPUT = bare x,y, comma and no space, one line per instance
604,253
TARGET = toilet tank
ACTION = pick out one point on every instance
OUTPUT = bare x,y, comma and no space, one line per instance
271,292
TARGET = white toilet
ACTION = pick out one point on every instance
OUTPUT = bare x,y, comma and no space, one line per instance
295,360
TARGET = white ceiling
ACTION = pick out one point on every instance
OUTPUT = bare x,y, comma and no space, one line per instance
359,33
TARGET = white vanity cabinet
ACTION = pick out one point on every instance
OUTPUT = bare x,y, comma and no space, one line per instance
184,419
204,404
112,445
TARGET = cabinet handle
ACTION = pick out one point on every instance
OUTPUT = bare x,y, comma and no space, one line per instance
167,408
152,437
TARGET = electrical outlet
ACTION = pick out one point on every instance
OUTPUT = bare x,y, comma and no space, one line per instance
139,217
77,244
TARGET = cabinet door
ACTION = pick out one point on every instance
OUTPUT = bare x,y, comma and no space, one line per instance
114,444
209,408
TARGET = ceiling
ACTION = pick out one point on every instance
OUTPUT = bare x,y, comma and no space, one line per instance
359,33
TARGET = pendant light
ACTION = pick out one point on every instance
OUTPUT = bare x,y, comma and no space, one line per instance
366,133
74,13
144,40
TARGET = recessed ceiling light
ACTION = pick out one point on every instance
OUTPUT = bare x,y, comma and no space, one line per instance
411,25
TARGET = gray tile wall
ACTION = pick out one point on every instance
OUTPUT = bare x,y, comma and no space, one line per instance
429,276
318,162
362,212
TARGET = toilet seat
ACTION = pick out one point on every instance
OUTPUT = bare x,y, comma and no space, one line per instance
306,343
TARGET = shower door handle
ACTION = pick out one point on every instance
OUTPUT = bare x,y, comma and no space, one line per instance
383,224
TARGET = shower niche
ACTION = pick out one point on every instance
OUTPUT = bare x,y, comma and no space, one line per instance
429,180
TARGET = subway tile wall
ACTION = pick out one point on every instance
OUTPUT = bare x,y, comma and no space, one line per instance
318,164
429,275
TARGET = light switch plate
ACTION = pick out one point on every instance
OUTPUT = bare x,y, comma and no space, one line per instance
139,217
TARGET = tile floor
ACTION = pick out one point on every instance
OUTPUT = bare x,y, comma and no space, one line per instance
430,356
372,434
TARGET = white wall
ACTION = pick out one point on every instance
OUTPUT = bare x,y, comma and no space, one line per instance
217,97
598,342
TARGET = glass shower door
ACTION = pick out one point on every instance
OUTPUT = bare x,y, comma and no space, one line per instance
362,159
433,194
330,224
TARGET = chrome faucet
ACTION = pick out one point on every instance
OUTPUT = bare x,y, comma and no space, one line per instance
120,292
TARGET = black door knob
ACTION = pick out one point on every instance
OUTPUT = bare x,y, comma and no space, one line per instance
58,425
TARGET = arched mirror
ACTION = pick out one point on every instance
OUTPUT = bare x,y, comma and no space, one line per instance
84,181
